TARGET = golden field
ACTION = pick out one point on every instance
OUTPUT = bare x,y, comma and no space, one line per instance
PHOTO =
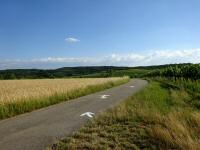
17,90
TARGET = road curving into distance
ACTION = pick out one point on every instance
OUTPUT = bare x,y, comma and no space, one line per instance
41,128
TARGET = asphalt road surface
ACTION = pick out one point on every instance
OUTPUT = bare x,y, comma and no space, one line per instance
42,128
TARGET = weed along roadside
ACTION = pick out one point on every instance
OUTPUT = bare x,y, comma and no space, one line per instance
159,117
11,108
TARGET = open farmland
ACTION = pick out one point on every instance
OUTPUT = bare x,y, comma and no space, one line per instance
19,96
16,90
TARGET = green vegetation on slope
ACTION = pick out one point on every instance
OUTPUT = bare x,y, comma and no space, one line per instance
191,86
58,73
132,73
170,70
187,71
15,108
159,117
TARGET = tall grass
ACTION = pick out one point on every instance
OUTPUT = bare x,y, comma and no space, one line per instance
159,117
191,86
77,88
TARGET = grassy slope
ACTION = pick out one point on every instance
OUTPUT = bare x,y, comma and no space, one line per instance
16,108
192,87
120,73
159,117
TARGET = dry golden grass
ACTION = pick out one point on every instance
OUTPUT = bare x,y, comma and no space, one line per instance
175,131
17,90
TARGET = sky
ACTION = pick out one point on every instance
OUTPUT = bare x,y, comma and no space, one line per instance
60,33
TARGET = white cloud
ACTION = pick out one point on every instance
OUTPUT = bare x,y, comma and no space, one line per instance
156,57
72,40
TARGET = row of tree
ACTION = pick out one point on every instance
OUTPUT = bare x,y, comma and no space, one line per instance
188,71
97,71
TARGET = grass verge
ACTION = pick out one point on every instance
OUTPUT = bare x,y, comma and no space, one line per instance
159,117
19,107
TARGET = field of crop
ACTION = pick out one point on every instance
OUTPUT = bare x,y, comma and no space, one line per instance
159,117
19,96
17,90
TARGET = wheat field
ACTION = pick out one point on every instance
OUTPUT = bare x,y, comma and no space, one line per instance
18,90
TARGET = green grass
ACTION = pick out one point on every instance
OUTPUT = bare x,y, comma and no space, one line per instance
132,73
191,86
159,117
15,108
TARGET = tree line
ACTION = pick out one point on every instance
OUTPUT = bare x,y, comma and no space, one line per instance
187,71
98,71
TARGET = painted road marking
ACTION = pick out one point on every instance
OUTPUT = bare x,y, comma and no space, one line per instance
104,96
132,86
88,114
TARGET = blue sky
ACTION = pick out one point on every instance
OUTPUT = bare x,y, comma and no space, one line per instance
57,33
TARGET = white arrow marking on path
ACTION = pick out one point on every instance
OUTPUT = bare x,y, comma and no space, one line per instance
105,96
132,86
88,114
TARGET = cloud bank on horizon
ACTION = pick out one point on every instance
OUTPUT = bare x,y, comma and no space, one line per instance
156,57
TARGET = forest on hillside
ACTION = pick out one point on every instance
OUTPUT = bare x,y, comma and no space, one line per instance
169,70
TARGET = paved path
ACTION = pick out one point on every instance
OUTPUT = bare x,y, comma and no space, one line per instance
41,128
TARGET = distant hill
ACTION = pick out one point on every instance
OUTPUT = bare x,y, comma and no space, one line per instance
90,71
55,73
